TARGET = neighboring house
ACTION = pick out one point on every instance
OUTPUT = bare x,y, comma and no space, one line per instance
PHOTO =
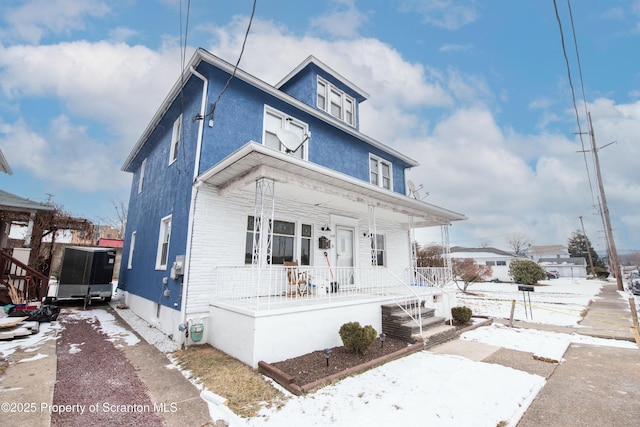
497,259
548,251
232,178
556,257
573,267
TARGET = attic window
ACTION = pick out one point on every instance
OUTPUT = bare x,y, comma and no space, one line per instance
336,102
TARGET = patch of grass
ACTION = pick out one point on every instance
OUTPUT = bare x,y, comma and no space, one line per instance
502,423
244,387
3,366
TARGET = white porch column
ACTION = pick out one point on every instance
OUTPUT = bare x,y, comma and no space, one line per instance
373,236
263,222
28,234
446,252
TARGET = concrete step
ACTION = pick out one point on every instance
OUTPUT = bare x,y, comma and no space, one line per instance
436,335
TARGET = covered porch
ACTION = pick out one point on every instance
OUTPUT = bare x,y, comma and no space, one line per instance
359,254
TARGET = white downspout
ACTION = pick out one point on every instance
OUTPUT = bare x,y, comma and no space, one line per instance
194,195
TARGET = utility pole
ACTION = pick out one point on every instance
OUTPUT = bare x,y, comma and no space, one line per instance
593,271
615,265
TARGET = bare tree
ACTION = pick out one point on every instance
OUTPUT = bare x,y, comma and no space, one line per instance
118,219
519,243
467,271
430,256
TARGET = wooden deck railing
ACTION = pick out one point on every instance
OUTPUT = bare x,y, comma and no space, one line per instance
20,283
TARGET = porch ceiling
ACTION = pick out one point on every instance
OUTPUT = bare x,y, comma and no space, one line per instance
309,183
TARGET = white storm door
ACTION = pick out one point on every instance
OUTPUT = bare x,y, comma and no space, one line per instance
344,250
344,255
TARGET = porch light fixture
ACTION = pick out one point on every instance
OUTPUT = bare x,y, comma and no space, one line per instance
325,228
383,336
327,354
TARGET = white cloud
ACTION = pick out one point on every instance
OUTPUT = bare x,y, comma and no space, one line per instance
448,14
340,22
35,19
67,157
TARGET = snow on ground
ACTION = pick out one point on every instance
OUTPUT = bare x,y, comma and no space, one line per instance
108,324
30,343
554,302
427,388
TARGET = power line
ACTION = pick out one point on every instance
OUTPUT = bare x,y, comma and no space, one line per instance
573,94
235,68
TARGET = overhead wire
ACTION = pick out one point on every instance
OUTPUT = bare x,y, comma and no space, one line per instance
235,68
573,94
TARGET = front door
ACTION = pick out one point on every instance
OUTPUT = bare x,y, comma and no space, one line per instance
344,254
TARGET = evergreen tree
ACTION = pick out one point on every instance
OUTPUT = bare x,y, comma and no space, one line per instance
580,246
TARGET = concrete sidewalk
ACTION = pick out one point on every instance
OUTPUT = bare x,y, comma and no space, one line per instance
593,386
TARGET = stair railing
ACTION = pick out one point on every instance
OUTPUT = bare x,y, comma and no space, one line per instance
23,283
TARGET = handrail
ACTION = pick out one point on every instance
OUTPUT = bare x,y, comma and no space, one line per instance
28,283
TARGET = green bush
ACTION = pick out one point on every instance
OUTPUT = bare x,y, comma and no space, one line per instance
357,339
461,314
526,272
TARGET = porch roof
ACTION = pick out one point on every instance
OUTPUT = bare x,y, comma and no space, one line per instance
311,183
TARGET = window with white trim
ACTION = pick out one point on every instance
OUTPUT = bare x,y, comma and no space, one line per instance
380,173
164,237
274,120
336,102
143,167
290,242
175,139
132,247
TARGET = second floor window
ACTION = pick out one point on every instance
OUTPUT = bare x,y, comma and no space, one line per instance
274,120
380,172
175,139
336,102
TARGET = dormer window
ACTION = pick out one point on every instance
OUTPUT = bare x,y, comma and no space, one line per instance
336,102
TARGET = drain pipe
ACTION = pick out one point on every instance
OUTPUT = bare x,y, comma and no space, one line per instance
184,323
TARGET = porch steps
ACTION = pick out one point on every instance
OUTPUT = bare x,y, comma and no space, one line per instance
398,324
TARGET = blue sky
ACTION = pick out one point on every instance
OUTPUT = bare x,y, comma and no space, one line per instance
477,92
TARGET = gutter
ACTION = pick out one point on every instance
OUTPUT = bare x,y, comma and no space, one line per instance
194,196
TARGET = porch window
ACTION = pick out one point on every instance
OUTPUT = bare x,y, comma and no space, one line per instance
163,243
175,139
275,120
503,263
379,248
283,243
380,172
490,263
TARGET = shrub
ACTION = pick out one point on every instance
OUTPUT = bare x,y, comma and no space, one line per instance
357,339
461,314
526,272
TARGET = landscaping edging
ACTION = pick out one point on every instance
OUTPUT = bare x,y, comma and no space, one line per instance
474,326
289,382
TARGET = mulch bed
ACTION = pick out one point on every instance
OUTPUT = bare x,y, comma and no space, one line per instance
311,368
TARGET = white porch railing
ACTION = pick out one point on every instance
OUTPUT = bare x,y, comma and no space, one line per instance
433,276
264,289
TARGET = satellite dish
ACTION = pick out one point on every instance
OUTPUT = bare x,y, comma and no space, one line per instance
413,190
290,140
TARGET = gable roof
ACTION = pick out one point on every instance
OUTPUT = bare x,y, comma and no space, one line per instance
4,165
202,55
324,67
12,202
494,251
